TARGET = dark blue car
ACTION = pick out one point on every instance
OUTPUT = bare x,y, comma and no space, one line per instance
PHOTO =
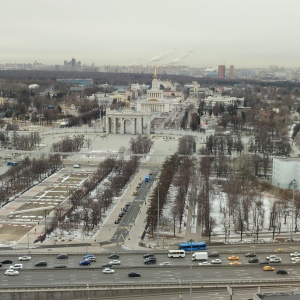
85,263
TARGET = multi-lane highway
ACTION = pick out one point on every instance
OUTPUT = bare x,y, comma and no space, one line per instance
137,260
178,272
148,275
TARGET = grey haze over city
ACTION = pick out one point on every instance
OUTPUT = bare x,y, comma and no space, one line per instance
255,33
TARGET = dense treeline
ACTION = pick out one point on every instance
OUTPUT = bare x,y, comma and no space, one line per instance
49,77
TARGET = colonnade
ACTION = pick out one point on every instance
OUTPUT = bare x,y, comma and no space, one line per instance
116,122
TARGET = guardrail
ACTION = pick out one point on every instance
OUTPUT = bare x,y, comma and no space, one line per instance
64,249
133,284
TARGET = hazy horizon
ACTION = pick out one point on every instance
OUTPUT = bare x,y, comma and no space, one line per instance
249,33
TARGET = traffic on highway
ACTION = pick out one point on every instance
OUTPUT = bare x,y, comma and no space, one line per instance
116,268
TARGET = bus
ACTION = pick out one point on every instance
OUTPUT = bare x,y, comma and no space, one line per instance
193,246
176,253
12,163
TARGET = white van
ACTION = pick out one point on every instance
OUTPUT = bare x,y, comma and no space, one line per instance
16,266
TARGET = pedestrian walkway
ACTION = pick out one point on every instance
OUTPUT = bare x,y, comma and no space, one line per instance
192,230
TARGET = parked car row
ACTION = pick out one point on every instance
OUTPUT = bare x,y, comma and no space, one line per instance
122,213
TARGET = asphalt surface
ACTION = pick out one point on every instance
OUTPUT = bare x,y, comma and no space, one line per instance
135,260
181,270
88,275
128,219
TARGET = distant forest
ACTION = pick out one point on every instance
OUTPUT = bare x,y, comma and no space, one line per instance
48,77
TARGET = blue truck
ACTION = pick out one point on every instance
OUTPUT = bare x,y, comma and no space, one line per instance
147,178
11,163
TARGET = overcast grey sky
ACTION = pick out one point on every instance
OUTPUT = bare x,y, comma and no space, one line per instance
245,33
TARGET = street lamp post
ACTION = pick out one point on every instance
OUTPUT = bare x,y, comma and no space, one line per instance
257,224
86,243
45,223
293,185
28,243
191,269
158,214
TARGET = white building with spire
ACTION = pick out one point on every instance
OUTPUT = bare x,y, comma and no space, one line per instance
155,100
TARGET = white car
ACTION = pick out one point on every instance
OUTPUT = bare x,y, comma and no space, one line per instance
296,259
16,266
295,254
205,263
91,258
108,271
10,272
275,260
271,257
115,262
166,263
216,261
24,258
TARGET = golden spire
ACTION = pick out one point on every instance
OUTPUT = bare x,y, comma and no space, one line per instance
154,75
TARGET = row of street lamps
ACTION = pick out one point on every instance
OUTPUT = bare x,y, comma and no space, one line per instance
293,187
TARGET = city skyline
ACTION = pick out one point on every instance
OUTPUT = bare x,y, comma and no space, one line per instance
245,34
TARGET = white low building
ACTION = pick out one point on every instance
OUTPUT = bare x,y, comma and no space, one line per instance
284,171
103,99
211,101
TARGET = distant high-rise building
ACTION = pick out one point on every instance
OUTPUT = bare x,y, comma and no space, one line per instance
231,71
73,62
221,71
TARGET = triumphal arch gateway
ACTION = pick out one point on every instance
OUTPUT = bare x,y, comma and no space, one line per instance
117,121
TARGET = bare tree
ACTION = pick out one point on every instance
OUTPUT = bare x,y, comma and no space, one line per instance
187,145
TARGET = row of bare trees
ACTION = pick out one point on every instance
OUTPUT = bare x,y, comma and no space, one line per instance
69,144
89,210
224,144
84,209
160,192
18,141
177,172
21,177
265,144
